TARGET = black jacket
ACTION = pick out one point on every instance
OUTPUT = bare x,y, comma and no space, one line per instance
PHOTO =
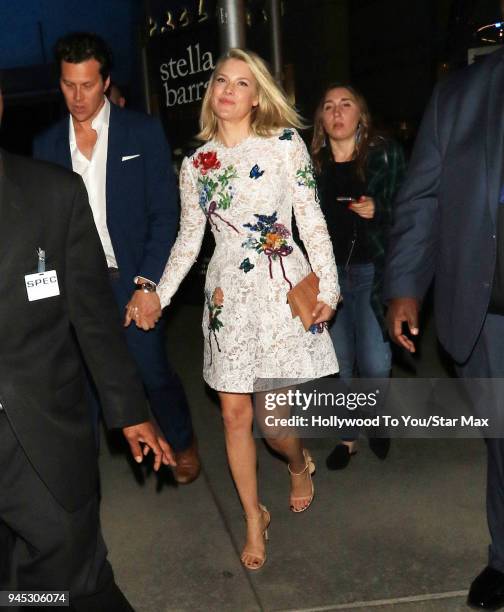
41,376
445,213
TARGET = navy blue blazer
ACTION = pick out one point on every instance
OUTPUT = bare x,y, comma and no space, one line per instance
445,212
142,197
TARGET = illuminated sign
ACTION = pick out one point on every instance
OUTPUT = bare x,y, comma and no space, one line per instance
182,40
193,62
165,21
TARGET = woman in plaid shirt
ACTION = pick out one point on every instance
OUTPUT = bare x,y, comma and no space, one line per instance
358,175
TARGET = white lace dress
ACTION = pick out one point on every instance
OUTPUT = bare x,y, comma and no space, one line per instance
247,194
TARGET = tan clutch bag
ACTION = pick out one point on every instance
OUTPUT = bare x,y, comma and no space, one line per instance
302,299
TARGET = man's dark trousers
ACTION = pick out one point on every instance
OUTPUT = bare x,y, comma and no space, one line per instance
487,361
163,386
58,550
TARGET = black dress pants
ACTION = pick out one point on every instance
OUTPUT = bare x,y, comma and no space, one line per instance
43,546
163,387
487,361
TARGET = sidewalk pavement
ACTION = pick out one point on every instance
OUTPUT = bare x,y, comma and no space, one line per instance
404,535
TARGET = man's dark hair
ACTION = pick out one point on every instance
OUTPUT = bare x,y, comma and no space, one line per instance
82,46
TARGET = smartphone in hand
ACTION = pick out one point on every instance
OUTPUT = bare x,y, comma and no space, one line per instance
347,201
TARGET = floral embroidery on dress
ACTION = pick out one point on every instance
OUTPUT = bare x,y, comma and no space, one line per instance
215,303
206,161
306,178
216,191
286,134
257,337
256,172
218,297
272,240
246,266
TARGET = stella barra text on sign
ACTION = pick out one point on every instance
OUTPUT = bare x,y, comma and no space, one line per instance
194,62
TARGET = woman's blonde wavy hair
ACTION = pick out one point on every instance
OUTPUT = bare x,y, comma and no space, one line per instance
273,111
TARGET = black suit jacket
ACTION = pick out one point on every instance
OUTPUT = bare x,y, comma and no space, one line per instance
41,377
445,213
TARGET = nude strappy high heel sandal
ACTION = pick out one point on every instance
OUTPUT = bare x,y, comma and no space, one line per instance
310,468
258,559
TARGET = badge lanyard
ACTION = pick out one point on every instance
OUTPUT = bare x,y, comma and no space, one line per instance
41,260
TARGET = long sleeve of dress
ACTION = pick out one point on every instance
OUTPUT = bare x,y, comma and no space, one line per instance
190,236
311,222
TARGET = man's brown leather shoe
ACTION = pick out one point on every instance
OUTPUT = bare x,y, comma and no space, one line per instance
188,464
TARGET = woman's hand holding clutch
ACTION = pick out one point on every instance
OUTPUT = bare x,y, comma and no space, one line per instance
322,313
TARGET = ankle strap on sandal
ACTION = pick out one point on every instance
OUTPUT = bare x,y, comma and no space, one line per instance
298,473
262,511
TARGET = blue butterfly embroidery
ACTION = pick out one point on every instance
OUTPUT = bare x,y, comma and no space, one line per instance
256,172
246,266
286,135
263,222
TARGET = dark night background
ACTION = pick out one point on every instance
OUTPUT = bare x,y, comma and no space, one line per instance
393,50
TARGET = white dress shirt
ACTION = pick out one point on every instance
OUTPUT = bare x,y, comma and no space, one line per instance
94,175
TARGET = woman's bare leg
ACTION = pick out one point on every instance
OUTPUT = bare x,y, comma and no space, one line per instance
301,488
237,414
283,440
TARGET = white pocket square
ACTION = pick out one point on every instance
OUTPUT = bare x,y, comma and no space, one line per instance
126,157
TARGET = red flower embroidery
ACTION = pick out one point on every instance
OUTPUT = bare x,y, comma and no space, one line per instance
207,161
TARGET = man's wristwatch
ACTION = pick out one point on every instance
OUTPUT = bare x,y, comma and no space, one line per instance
146,287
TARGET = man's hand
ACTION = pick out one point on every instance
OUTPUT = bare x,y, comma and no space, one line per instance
144,309
365,207
322,313
403,310
148,433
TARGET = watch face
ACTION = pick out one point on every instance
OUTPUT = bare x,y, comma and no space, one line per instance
146,286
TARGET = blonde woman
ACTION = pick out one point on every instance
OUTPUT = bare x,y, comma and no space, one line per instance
251,172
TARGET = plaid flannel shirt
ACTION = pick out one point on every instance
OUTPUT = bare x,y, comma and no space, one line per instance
386,167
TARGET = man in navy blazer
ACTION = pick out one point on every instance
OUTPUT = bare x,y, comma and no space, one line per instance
449,225
125,162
